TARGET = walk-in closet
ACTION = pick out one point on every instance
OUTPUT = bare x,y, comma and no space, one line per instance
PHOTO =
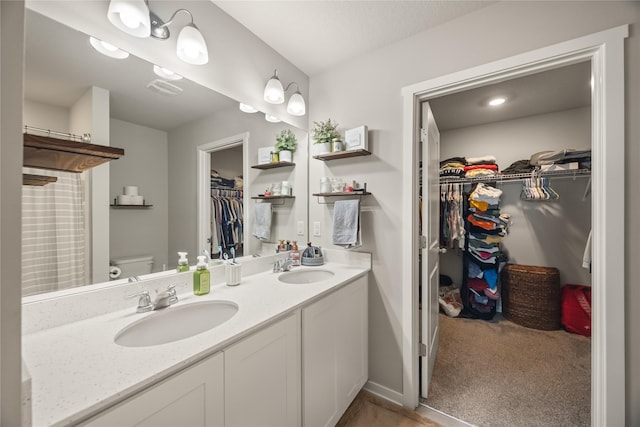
227,209
514,230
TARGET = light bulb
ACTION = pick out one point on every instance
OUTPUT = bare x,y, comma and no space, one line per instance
296,105
130,20
191,46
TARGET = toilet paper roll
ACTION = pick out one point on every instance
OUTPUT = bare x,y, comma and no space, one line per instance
123,199
114,272
137,200
131,190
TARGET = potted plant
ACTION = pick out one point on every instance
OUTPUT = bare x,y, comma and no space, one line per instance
286,143
323,134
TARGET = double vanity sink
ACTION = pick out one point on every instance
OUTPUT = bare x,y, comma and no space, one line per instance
83,366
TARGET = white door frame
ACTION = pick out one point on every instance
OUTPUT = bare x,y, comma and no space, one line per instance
204,183
605,50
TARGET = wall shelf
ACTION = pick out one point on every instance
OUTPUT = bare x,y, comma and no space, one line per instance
45,152
131,206
38,180
273,165
341,194
281,198
342,155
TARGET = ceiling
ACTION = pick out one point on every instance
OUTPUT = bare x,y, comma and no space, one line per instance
317,35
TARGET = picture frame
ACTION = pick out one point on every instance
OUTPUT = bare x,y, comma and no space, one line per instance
356,139
264,155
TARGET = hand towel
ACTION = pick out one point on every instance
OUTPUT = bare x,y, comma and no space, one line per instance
262,221
346,223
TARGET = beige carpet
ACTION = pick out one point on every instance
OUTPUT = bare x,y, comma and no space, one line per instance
503,374
367,410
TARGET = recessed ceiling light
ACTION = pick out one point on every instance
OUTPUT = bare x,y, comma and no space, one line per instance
272,119
108,49
166,73
497,101
247,108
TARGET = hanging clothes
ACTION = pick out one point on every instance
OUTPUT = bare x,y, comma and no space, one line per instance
451,222
227,218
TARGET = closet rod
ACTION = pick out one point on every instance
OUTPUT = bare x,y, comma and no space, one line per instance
575,173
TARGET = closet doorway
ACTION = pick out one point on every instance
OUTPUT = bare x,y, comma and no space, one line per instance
222,196
485,366
607,116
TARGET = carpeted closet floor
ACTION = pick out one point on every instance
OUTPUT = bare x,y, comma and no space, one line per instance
503,374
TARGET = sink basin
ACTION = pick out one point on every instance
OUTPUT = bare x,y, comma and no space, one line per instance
305,276
175,323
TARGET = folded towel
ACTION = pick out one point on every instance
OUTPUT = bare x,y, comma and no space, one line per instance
262,221
346,223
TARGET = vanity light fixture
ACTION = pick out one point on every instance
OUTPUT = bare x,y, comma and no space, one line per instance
135,18
108,49
272,119
166,73
274,94
247,108
497,101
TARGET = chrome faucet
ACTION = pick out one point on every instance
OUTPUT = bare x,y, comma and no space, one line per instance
163,299
282,265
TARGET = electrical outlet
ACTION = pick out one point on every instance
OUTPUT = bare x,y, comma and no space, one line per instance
316,228
300,228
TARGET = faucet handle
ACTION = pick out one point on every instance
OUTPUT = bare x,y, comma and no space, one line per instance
144,302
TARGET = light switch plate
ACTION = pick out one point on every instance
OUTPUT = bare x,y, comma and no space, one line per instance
300,228
316,228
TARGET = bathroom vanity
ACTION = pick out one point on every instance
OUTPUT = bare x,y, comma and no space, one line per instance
293,353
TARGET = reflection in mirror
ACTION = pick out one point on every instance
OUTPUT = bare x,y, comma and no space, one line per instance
159,134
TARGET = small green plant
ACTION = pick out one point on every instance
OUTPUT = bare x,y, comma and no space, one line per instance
286,140
324,131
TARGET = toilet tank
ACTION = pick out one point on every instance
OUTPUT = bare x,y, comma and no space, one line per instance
133,265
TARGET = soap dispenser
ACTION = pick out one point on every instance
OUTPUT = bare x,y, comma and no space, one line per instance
183,263
201,277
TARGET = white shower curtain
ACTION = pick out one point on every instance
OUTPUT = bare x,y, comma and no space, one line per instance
53,233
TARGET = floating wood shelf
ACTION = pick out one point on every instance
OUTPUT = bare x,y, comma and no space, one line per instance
273,165
272,197
342,155
341,194
45,152
39,180
131,206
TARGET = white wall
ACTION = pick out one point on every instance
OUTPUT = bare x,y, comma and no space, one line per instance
45,116
182,176
11,56
553,233
228,163
140,231
367,90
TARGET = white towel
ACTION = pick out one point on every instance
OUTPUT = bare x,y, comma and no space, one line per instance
262,221
346,223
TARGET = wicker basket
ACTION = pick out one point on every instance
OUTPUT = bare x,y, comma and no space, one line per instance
531,296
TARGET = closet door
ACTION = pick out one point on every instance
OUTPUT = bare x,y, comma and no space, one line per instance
430,139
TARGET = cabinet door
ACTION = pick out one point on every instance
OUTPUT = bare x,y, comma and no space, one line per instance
262,377
335,353
193,397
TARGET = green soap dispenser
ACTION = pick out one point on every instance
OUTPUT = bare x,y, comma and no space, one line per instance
183,264
201,277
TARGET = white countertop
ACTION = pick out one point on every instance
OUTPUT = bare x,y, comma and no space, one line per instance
77,369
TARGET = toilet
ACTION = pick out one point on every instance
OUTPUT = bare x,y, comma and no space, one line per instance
130,266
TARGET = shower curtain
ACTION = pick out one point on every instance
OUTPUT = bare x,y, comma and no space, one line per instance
53,233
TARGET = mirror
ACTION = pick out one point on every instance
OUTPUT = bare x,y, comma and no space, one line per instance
161,136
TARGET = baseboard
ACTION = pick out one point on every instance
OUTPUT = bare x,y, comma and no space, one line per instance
384,392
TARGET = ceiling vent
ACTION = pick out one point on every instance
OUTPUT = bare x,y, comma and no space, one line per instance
164,88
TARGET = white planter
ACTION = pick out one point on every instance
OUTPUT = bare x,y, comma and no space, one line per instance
323,148
286,156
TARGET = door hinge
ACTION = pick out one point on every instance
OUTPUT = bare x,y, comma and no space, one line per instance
423,135
423,350
423,242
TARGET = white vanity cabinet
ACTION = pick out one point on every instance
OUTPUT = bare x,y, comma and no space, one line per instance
334,353
262,377
194,398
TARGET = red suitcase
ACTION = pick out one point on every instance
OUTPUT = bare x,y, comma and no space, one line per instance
576,309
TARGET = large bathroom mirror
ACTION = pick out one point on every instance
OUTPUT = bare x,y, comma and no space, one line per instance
164,137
